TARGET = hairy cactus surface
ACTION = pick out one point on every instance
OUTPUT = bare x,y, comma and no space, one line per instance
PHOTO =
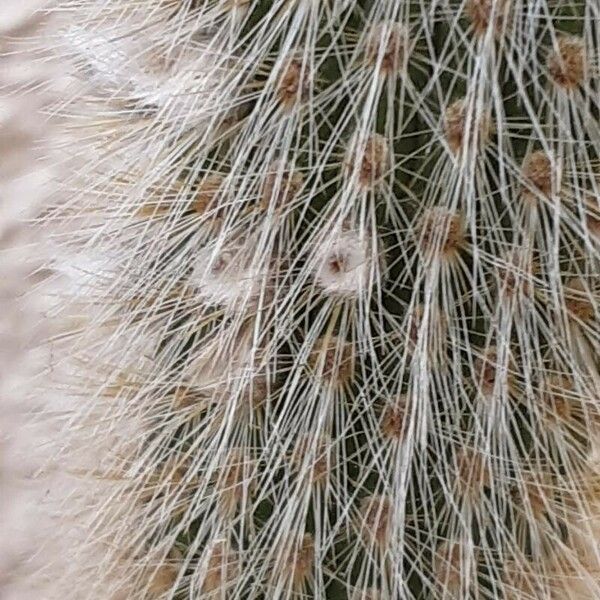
330,285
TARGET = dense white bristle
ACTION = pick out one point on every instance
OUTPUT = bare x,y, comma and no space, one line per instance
329,275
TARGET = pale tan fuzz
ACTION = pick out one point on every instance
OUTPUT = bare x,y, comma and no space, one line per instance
345,265
186,397
394,420
369,159
515,274
522,581
449,562
535,494
294,85
472,473
456,122
234,483
441,233
208,193
376,519
320,459
592,214
161,200
434,338
301,562
332,360
486,371
280,187
484,14
578,300
221,570
169,479
558,400
163,578
567,63
536,171
388,47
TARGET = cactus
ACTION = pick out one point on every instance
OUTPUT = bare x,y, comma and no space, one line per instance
334,323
